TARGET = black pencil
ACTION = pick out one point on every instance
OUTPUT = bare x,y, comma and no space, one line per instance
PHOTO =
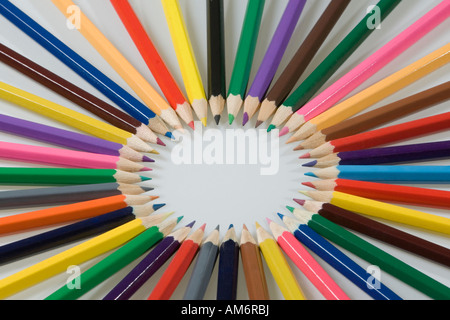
217,90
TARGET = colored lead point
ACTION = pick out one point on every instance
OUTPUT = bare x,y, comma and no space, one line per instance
217,119
271,127
230,119
246,119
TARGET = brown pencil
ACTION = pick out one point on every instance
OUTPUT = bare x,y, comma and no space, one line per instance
380,116
253,267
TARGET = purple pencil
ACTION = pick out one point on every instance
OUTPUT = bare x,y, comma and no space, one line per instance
388,155
273,57
68,139
137,277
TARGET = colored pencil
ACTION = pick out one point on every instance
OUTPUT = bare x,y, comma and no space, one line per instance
87,71
255,277
386,192
65,176
217,86
372,254
313,83
372,94
66,194
77,255
379,231
77,95
122,66
307,264
380,116
393,174
333,94
383,136
203,267
77,231
186,59
71,118
115,261
68,139
389,155
147,267
383,210
69,212
278,265
272,58
228,266
301,59
244,57
338,260
66,158
154,61
178,267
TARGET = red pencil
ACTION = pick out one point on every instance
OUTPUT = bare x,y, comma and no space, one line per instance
178,267
386,192
155,63
383,136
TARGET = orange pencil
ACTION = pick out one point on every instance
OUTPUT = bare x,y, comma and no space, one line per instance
178,267
70,212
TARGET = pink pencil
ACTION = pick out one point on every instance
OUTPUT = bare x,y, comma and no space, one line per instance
66,158
306,263
341,88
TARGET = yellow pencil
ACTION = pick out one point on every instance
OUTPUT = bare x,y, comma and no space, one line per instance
123,67
77,255
186,59
382,210
374,93
72,118
278,265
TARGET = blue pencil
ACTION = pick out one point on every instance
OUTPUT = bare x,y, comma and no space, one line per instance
338,260
397,174
228,266
82,67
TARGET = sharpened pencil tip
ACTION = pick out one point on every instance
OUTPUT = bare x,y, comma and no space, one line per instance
310,164
231,119
203,227
245,227
147,189
158,206
153,198
217,119
271,127
291,209
257,225
305,156
310,174
147,159
190,225
169,135
246,118
180,218
145,178
154,152
280,215
284,131
145,169
309,184
258,123
159,141
192,125
231,226
300,201
204,122
268,221
305,193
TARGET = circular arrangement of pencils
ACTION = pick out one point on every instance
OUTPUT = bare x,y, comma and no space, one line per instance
367,180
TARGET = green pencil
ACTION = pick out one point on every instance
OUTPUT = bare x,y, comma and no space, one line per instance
374,255
65,176
314,82
244,57
116,261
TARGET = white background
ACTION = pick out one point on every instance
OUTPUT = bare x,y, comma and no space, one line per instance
221,195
